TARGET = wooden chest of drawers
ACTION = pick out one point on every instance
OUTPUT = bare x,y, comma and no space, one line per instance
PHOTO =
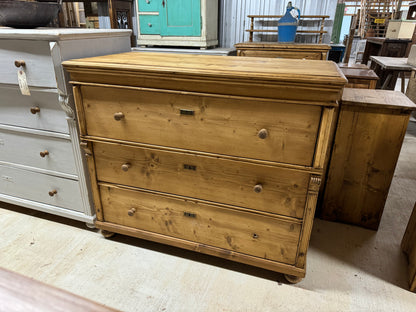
221,155
308,51
41,165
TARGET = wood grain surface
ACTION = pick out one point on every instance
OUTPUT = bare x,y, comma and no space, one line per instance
243,232
210,178
219,125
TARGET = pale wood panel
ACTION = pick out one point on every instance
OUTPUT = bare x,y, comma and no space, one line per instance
34,186
377,99
243,232
219,180
223,126
15,109
216,65
24,149
364,156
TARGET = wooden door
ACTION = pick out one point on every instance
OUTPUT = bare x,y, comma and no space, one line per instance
180,18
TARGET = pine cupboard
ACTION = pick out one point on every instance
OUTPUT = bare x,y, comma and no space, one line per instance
220,155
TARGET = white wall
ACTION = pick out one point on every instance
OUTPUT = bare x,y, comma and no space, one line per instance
234,21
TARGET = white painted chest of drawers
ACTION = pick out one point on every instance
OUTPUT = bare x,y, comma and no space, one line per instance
41,165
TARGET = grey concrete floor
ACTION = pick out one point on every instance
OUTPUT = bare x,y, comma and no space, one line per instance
349,268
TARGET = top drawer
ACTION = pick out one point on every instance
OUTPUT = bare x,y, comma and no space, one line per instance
38,67
256,129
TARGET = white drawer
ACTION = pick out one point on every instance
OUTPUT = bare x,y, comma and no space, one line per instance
36,187
24,148
39,65
16,109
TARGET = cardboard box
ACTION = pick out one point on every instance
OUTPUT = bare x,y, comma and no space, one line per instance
400,29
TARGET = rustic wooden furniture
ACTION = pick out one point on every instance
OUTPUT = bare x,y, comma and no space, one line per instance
409,248
388,69
360,77
308,51
221,155
191,23
20,293
265,21
384,47
41,166
370,131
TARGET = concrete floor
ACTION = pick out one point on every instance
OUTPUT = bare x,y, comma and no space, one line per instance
349,268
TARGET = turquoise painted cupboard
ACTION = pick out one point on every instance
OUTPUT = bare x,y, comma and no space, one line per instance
178,22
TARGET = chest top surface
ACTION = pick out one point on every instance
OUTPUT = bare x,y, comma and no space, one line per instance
207,65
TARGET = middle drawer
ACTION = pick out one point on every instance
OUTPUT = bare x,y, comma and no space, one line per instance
265,188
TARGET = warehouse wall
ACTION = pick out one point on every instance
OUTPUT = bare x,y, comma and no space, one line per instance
234,21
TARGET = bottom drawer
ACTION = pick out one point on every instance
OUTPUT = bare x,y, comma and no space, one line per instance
36,187
258,235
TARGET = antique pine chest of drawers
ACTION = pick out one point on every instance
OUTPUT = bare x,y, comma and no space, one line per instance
41,164
221,155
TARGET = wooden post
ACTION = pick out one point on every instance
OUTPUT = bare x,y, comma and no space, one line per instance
251,29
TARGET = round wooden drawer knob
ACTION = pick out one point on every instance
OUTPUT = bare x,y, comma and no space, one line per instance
44,153
258,188
131,212
35,109
263,134
19,63
53,192
118,116
125,166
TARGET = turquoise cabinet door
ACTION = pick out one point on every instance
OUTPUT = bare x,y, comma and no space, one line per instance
149,5
180,18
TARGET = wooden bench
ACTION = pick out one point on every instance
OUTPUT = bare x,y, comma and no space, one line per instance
269,19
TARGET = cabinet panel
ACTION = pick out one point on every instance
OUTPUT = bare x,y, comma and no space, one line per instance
149,5
266,188
258,235
181,18
150,24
